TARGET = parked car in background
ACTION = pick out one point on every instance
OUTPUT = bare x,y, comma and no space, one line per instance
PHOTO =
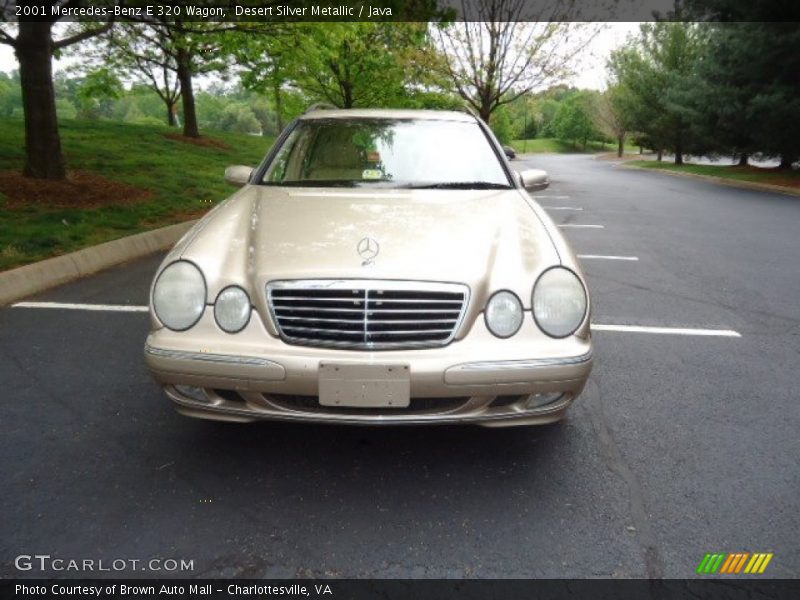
378,267
509,152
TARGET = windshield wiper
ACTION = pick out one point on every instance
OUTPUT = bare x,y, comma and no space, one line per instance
459,185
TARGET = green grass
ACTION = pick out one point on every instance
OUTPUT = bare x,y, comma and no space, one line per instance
555,145
184,179
755,174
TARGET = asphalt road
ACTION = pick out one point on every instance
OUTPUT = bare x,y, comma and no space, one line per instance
681,444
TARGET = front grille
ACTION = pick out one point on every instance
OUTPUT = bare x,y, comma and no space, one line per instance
367,314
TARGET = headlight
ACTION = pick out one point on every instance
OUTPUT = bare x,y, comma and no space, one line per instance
232,309
179,295
559,302
503,314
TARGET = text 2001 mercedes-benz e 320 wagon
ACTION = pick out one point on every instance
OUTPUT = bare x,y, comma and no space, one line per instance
380,266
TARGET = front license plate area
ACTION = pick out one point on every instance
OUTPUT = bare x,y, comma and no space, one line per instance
364,386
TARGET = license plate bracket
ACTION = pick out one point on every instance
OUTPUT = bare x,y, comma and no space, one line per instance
364,386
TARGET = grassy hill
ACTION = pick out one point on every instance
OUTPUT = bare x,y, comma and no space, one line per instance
124,179
771,176
554,145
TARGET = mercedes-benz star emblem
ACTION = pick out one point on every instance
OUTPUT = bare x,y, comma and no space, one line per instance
368,249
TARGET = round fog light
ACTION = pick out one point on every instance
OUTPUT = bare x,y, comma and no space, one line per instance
232,309
503,314
190,391
539,400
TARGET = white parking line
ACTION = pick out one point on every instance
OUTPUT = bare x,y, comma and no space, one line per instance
69,306
666,330
595,326
604,257
579,226
562,208
542,196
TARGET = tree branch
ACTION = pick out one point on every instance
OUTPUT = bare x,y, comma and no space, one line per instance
83,35
7,39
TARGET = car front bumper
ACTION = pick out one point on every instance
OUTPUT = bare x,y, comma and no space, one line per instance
257,376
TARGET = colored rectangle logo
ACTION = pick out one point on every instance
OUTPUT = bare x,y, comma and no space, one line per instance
734,563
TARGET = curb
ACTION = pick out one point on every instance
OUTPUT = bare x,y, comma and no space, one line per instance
745,185
34,278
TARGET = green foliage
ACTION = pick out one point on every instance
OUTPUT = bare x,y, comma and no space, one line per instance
184,179
654,75
239,119
65,109
10,94
754,174
95,93
573,121
362,64
747,92
713,88
555,146
501,126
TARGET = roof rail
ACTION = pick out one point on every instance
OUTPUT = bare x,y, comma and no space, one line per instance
320,106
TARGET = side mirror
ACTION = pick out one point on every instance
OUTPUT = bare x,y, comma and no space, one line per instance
534,180
238,175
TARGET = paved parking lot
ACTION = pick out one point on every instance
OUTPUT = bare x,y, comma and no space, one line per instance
684,442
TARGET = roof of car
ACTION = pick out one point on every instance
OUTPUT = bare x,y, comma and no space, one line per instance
385,113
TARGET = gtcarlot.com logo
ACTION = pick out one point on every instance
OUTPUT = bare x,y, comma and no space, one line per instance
46,562
734,563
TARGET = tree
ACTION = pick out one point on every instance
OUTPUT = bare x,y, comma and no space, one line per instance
747,93
96,92
573,121
34,47
167,53
147,58
351,64
610,117
187,49
500,52
265,64
654,72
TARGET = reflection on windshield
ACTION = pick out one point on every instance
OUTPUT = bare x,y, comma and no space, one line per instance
401,153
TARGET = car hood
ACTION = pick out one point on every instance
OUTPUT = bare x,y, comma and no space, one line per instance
487,239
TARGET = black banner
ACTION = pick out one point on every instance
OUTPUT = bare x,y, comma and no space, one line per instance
732,588
287,11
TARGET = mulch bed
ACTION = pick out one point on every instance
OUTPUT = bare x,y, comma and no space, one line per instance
205,142
82,189
777,176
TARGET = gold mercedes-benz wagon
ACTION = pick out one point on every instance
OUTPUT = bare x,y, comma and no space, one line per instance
378,267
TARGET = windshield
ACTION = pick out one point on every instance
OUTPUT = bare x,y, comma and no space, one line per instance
387,153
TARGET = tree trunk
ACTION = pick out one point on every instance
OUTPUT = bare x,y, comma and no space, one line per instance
347,94
678,155
184,71
43,157
276,91
679,147
787,161
171,115
660,155
620,145
743,158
